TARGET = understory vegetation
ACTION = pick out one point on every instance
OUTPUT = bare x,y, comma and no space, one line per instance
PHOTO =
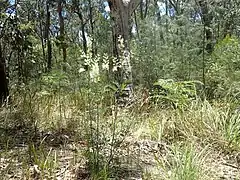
85,135
82,100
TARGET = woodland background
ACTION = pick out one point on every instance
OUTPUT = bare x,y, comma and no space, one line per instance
117,89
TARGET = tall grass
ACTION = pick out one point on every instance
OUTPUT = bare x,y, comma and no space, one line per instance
183,162
89,126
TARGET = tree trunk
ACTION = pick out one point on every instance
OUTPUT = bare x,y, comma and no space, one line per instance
84,39
207,19
3,79
121,12
77,10
91,14
49,45
141,10
62,33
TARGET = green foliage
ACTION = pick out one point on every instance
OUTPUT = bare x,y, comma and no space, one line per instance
71,107
45,162
55,80
184,164
167,50
177,93
223,76
232,129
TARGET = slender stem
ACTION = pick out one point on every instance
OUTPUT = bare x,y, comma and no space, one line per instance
203,58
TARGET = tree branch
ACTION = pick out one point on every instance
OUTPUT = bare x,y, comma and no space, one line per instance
133,4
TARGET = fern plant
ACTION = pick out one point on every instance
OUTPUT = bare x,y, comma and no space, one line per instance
177,94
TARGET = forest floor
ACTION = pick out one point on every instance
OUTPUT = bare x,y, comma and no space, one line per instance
200,142
142,165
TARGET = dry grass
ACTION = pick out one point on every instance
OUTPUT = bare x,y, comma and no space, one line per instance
80,136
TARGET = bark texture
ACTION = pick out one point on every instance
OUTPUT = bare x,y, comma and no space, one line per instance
62,32
207,20
3,79
121,11
47,38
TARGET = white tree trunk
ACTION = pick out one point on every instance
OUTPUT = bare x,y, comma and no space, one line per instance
121,11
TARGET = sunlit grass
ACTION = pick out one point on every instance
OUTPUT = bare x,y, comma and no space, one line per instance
92,133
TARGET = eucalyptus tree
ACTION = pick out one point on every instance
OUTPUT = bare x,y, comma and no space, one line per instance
207,18
121,11
47,35
79,9
4,92
62,36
